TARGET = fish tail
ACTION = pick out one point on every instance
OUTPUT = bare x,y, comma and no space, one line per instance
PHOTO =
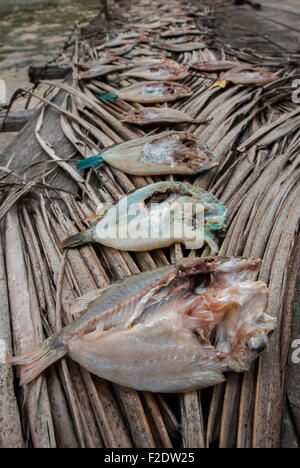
89,162
79,239
221,83
107,96
37,360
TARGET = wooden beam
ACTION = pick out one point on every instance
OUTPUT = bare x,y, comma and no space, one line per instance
16,120
48,72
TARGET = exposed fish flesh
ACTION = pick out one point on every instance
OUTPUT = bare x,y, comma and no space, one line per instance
156,212
214,66
168,70
185,47
165,153
115,51
246,75
180,32
154,115
150,92
142,51
100,70
123,39
173,329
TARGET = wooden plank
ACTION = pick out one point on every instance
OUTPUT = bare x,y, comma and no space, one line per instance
15,120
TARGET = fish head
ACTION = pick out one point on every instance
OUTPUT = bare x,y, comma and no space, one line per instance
241,328
182,152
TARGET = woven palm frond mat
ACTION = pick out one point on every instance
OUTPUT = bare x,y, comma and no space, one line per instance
254,133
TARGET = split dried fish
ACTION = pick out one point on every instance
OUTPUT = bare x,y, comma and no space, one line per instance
246,76
141,51
168,70
100,70
153,217
150,92
155,331
154,115
168,152
186,47
214,66
180,32
125,38
116,51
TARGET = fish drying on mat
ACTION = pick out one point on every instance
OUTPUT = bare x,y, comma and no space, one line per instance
172,329
123,39
246,76
149,92
214,66
143,51
184,47
168,152
116,51
99,70
106,59
157,216
180,32
154,115
164,71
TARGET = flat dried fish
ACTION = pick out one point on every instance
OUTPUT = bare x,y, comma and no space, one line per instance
154,331
168,70
246,75
214,66
185,47
157,216
165,153
100,70
154,115
150,92
115,51
180,32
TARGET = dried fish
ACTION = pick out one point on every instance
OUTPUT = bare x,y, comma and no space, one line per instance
180,32
156,216
142,51
153,331
184,47
168,70
214,66
246,75
125,38
149,92
116,51
166,153
100,70
155,115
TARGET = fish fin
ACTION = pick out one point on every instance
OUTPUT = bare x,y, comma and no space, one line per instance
89,162
220,83
37,360
80,238
82,303
107,96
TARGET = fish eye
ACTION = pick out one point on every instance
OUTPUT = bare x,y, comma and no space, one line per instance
257,344
201,283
